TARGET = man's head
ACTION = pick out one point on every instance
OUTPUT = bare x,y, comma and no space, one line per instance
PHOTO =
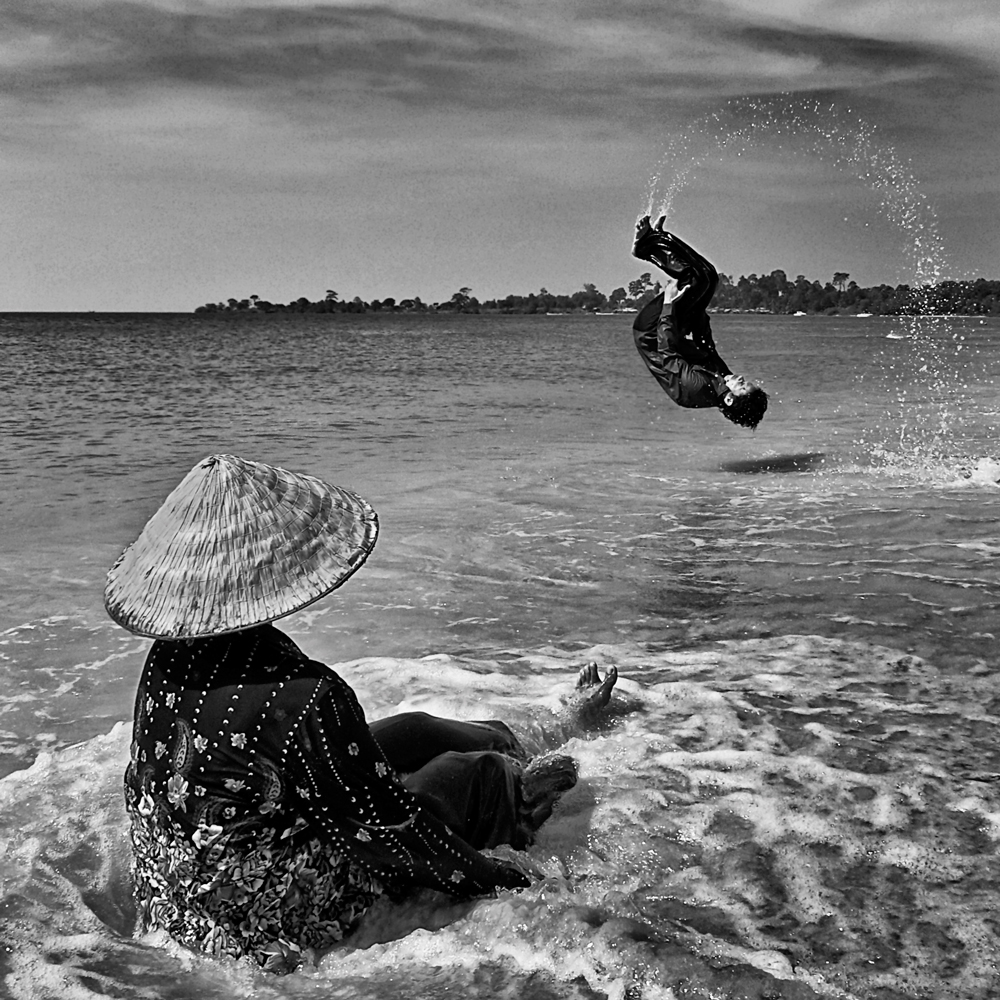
744,403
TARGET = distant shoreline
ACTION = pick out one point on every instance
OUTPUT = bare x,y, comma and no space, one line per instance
770,294
228,316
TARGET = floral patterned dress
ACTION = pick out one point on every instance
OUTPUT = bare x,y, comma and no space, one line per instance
265,818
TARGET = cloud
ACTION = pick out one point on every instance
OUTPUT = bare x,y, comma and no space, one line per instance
306,124
549,60
965,25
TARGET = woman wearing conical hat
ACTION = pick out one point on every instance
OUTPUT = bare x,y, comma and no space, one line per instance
266,814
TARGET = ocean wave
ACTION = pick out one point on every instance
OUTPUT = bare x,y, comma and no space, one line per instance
795,816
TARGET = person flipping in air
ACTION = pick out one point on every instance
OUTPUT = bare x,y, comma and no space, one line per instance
677,347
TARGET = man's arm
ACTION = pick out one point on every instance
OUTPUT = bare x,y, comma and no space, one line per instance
703,278
687,384
690,336
645,329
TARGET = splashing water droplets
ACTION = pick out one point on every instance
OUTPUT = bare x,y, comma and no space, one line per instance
920,429
824,131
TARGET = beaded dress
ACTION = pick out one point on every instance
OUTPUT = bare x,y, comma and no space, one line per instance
265,819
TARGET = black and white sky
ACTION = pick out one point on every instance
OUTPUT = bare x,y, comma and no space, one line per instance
158,154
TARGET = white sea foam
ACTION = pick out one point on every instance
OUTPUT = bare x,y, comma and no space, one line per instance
752,814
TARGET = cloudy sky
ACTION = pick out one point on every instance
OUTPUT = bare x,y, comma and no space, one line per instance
158,154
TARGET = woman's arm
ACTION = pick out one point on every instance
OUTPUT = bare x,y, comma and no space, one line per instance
347,789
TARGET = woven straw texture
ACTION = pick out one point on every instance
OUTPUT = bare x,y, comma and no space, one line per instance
237,544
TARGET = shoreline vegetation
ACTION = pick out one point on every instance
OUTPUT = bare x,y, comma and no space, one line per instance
773,293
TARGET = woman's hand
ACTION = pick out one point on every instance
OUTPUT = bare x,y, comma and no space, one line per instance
509,876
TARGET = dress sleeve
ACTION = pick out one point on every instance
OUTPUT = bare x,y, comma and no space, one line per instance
348,790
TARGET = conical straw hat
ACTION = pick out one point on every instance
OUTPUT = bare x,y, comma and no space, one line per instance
237,544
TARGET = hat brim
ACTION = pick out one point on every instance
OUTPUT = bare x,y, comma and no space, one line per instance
235,545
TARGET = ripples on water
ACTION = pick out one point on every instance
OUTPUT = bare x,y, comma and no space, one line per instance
766,812
533,487
786,817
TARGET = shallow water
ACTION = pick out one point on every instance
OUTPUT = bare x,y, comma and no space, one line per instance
797,792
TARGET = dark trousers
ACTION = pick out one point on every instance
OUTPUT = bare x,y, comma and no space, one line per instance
468,774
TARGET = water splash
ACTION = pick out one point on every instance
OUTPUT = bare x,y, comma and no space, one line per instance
833,134
922,425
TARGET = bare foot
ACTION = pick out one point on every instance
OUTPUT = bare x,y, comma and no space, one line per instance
642,230
543,782
593,693
583,709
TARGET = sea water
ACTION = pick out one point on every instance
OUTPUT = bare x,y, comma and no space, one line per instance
795,791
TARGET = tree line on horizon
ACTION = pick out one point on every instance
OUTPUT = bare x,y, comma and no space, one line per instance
771,293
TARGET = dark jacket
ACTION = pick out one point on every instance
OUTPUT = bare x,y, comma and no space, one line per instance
689,370
678,347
